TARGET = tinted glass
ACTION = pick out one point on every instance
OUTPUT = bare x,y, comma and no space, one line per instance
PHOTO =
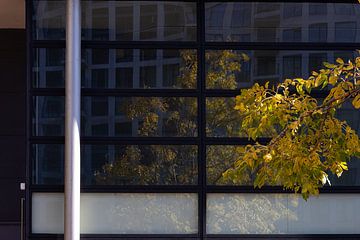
221,118
119,164
48,116
48,68
220,158
119,20
120,68
120,116
281,22
233,69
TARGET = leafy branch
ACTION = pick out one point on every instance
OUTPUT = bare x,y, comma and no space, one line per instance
308,141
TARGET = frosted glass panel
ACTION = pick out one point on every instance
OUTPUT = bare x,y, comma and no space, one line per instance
282,214
119,213
47,213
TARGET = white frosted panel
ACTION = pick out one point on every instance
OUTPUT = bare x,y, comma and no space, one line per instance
331,214
283,214
47,213
246,213
120,213
139,213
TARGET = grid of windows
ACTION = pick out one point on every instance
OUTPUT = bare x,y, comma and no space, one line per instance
158,126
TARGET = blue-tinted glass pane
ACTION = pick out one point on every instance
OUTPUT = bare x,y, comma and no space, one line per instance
119,20
119,116
120,68
274,21
119,164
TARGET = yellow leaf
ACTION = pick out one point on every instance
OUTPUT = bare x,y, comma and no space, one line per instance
356,101
339,60
343,165
267,157
329,65
333,79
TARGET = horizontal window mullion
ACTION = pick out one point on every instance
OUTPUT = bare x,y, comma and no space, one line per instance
121,188
277,189
140,44
120,92
43,236
195,45
282,1
283,236
118,44
234,141
234,93
121,140
280,46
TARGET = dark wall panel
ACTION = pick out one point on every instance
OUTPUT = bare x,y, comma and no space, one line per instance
12,128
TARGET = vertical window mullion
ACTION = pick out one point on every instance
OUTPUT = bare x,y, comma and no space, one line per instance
201,116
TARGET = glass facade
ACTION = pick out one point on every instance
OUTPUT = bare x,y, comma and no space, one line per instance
158,125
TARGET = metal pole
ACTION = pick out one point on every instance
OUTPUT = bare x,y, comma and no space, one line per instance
72,120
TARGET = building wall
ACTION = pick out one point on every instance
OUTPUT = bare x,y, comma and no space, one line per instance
12,129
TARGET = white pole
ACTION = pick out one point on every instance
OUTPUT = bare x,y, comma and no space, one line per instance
72,120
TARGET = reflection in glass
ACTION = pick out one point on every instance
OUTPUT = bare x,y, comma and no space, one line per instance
48,164
141,165
48,68
119,20
221,118
234,69
119,164
351,177
282,214
318,32
48,116
120,116
220,158
345,31
119,213
120,68
247,214
48,20
270,21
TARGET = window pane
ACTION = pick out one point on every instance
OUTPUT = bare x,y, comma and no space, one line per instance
270,21
123,116
318,32
234,69
221,118
119,164
49,68
49,20
282,214
119,213
142,116
140,165
220,158
345,31
48,116
48,164
120,68
119,20
351,177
